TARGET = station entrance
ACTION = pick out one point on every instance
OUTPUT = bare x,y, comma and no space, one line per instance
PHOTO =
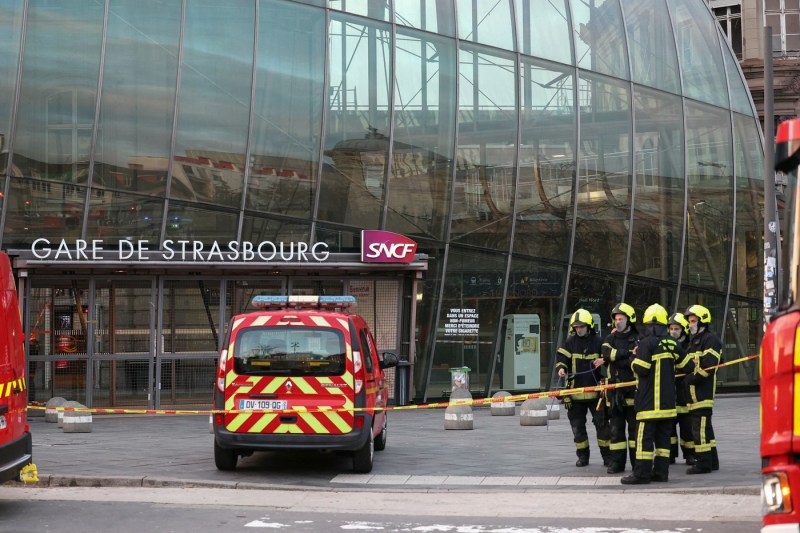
132,340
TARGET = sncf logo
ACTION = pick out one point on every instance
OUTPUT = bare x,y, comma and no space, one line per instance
386,247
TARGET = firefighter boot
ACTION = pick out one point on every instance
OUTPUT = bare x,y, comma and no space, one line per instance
633,479
583,457
714,459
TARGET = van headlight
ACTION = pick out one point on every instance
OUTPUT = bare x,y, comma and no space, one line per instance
775,493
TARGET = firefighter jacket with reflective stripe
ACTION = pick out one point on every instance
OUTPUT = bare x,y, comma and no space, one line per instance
706,350
654,366
617,353
683,368
577,357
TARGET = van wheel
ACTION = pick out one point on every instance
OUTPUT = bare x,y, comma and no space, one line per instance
362,458
224,458
380,442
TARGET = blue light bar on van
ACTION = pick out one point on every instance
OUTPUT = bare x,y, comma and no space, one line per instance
303,302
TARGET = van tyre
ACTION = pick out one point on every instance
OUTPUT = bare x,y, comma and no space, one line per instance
224,458
380,442
362,458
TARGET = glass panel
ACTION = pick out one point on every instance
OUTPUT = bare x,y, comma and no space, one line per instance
698,52
600,37
244,290
190,316
419,192
58,92
431,15
530,325
357,140
259,229
742,338
642,293
470,312
58,333
138,98
486,22
10,23
543,29
36,208
207,225
339,240
547,162
367,8
115,215
710,181
427,298
748,266
211,137
487,140
654,61
658,163
288,109
604,172
740,98
596,292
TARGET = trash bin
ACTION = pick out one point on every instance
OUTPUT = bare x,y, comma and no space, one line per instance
459,378
401,381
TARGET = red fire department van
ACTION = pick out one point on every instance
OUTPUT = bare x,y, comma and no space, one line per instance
780,363
302,372
15,437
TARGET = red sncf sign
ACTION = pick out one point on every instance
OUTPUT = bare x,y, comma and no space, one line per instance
386,247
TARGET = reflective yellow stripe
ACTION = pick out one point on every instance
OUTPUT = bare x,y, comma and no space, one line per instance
655,414
796,427
642,364
614,446
581,445
661,452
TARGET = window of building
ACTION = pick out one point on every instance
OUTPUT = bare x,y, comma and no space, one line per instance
784,18
730,20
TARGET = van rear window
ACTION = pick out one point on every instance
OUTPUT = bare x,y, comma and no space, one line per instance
289,351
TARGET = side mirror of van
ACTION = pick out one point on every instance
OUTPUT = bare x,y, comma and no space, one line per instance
388,360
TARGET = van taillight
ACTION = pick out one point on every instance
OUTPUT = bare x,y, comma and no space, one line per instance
359,372
223,359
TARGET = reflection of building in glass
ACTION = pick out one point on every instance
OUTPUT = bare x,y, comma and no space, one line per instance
544,155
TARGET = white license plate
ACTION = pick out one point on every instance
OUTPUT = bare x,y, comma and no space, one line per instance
262,404
3,423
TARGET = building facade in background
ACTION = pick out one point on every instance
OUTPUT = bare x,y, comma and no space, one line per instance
168,160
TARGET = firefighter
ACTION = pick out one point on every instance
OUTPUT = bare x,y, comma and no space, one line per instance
618,352
579,359
654,366
705,348
679,330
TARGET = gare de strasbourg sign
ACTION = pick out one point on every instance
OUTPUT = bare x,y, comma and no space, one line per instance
377,246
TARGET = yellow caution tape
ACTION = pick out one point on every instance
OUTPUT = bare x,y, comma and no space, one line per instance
465,401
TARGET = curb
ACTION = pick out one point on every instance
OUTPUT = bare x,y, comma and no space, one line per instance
48,481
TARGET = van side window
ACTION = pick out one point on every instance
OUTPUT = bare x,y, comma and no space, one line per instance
368,350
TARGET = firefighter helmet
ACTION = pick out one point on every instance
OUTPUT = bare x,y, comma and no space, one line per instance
679,320
581,317
655,314
702,313
625,309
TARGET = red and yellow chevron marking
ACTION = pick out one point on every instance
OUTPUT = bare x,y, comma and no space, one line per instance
323,405
8,387
351,410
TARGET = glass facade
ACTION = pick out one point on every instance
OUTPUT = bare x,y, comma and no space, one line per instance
544,155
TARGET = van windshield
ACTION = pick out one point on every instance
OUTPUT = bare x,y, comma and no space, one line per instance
292,351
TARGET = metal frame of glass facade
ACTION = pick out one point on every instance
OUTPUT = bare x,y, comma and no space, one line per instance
546,157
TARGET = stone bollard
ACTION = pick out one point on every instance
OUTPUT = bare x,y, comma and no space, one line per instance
50,413
502,408
61,413
460,394
553,410
458,417
533,412
77,421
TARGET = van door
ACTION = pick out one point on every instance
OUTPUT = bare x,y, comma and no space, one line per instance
12,361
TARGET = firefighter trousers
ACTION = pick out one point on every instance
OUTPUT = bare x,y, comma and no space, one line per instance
622,417
577,420
652,448
683,436
705,446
